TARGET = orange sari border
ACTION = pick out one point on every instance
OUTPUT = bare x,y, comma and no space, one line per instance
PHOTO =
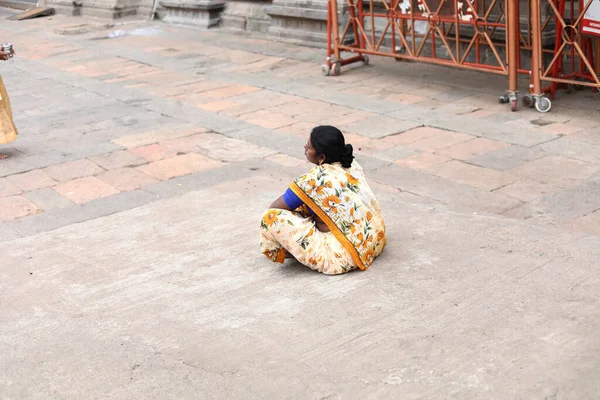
339,235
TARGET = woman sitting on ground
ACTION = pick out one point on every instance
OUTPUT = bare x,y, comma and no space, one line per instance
328,219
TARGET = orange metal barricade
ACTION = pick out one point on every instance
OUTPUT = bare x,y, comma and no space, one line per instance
480,35
574,61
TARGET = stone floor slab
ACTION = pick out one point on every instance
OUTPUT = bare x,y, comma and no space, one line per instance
412,136
13,207
588,223
393,153
507,158
117,159
7,233
82,190
563,205
472,148
422,160
126,179
556,169
8,188
378,127
155,136
461,172
32,180
527,191
153,152
568,147
458,195
73,170
48,199
179,165
441,140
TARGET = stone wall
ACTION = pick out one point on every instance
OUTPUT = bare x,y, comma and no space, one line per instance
247,15
303,21
199,13
111,9
300,20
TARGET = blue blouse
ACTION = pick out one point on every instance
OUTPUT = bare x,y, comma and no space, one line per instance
291,199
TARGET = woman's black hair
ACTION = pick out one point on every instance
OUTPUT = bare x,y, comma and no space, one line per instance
329,141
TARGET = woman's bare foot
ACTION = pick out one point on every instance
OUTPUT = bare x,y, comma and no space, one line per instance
3,156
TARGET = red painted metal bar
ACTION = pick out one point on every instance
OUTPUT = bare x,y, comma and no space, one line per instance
458,33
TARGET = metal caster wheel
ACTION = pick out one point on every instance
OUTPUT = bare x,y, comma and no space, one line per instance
336,68
325,70
528,101
514,104
365,59
543,104
503,99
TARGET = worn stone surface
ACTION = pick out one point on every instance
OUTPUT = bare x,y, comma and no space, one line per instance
562,205
422,160
461,172
14,207
507,158
177,166
471,149
462,196
378,127
73,170
7,233
8,188
117,159
171,142
47,199
420,292
32,180
85,189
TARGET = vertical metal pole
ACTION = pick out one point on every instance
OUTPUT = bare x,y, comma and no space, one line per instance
329,33
478,40
559,66
512,27
518,43
355,24
597,53
536,48
457,29
372,8
336,29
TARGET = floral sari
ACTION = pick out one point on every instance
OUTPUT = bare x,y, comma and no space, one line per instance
343,200
8,131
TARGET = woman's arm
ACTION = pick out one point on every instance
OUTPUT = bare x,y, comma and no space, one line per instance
281,204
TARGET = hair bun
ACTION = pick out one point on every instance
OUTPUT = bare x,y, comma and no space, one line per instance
347,157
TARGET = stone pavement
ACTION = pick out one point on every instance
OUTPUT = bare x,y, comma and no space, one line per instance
109,118
487,290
